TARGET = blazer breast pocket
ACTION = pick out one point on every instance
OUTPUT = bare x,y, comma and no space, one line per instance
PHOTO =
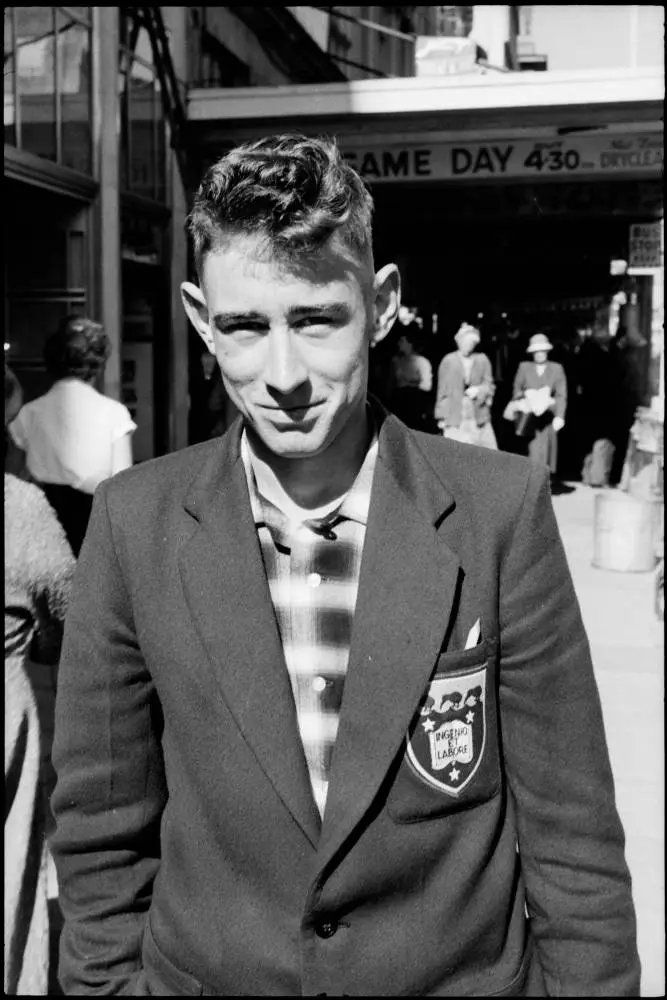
450,760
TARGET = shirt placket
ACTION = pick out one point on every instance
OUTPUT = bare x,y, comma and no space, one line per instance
303,616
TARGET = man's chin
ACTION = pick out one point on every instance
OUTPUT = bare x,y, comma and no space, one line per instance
297,441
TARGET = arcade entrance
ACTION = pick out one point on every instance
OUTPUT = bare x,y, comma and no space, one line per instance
515,259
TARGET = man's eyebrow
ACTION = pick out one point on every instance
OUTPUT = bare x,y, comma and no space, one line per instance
337,310
226,319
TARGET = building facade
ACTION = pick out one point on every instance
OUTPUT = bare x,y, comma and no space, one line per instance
617,36
96,198
564,36
100,168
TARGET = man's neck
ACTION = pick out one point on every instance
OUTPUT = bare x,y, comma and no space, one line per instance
314,481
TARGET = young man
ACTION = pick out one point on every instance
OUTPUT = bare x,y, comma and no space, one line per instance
327,722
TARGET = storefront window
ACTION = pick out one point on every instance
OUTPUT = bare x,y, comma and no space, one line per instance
36,82
48,109
74,72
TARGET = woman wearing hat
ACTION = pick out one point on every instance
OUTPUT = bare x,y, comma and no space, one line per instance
540,388
465,391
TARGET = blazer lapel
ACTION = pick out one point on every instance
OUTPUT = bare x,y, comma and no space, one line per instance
229,598
407,587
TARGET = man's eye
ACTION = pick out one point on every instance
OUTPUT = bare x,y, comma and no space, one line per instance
246,330
314,321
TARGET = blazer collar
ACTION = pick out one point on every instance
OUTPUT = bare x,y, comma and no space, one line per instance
407,591
228,595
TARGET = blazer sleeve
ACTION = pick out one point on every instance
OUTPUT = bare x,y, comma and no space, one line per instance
110,791
570,839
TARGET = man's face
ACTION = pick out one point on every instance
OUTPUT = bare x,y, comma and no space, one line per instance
291,341
540,357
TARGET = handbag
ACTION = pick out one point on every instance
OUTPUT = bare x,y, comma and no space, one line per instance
524,424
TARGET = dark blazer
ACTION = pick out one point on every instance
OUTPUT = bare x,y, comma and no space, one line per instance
190,854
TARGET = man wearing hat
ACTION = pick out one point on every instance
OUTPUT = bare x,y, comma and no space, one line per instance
540,388
465,391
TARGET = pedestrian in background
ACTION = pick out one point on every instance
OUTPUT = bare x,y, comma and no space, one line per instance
74,437
509,351
465,392
411,381
39,565
600,400
327,721
540,393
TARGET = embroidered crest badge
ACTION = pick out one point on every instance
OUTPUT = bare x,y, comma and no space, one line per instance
447,742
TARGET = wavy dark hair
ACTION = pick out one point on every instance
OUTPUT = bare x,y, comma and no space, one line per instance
296,191
78,349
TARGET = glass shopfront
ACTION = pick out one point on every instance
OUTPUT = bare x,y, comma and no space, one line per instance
143,145
48,84
48,121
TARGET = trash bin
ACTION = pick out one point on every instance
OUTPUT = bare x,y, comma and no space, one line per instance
625,532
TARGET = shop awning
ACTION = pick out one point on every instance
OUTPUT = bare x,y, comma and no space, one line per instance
568,99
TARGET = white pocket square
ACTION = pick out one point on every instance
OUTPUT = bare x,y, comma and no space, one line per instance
474,635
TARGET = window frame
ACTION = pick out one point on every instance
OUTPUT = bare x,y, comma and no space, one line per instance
127,59
71,16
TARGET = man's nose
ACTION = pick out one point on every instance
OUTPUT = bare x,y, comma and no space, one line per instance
284,370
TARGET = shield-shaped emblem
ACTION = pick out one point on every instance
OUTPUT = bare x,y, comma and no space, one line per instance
447,741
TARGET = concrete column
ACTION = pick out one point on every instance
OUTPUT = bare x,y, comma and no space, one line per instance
107,228
175,19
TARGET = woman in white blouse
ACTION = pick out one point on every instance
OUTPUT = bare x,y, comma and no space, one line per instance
73,436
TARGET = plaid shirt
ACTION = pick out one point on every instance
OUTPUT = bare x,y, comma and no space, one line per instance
313,572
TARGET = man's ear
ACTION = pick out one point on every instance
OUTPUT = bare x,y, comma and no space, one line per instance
196,310
387,299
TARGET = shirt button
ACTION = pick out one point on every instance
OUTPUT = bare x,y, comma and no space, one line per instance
314,580
319,684
326,928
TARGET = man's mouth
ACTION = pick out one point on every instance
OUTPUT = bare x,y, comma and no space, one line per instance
295,409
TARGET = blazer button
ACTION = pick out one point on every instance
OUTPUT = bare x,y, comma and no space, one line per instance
326,928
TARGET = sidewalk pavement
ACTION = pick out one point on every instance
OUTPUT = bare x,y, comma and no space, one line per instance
627,643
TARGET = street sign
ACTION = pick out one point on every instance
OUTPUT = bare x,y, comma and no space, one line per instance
646,246
559,158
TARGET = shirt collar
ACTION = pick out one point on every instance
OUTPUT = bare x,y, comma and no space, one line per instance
354,506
